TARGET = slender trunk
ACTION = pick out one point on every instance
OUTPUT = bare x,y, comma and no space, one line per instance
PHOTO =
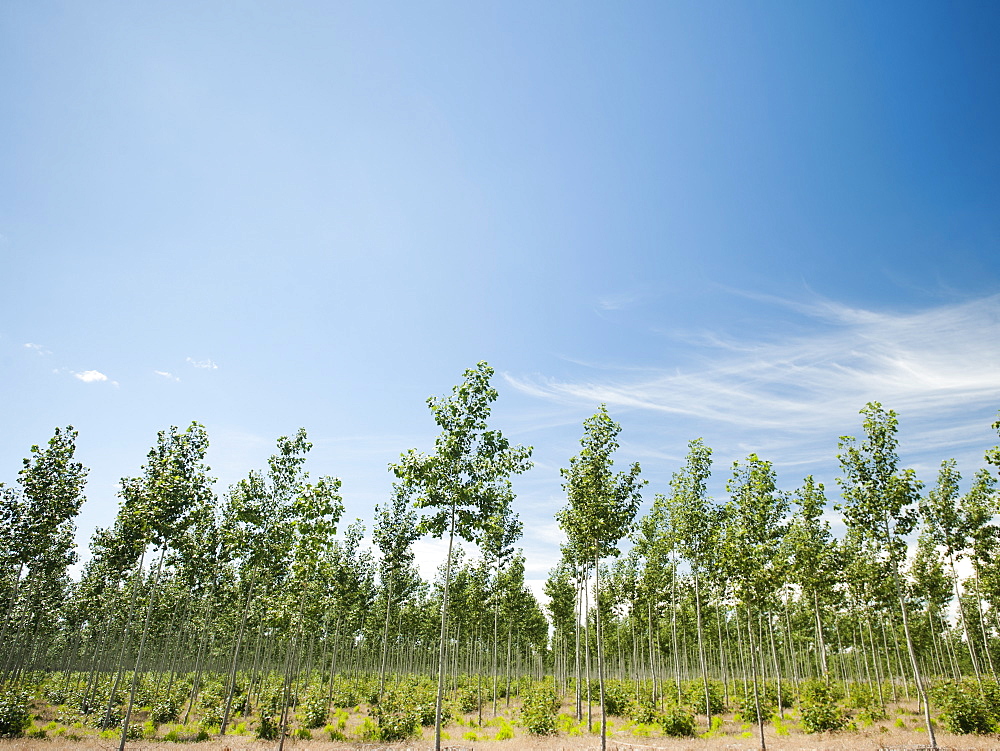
982,623
754,650
652,654
496,634
965,624
236,654
586,647
579,615
701,649
777,670
444,633
138,657
10,604
913,658
673,630
385,637
600,652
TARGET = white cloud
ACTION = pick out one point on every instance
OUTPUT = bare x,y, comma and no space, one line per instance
91,376
38,348
936,363
165,374
205,364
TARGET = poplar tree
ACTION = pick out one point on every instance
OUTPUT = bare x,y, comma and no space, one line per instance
754,531
394,534
601,508
879,500
695,523
463,483
948,528
813,556
174,482
37,520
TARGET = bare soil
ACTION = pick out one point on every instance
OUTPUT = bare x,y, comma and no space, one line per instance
888,735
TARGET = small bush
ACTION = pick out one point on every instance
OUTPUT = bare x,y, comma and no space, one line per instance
747,706
268,728
963,709
211,717
165,710
538,710
110,718
315,711
133,732
617,698
56,694
14,715
819,709
694,696
469,699
644,711
397,725
677,722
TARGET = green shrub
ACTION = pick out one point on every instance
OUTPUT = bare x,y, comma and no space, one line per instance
165,710
469,699
694,696
963,709
14,715
56,694
618,698
677,722
399,718
747,705
315,711
819,709
861,696
268,728
211,717
398,725
133,732
110,718
539,706
644,711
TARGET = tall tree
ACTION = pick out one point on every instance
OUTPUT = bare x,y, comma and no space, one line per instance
948,528
601,508
501,531
37,522
754,531
174,483
879,500
394,534
464,482
813,556
695,524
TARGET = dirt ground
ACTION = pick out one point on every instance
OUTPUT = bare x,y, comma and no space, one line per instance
896,739
902,732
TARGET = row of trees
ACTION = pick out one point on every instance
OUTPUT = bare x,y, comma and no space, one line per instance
266,581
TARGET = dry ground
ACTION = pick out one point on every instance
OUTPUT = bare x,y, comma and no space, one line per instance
732,736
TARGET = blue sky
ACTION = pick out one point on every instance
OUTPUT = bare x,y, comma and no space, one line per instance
729,220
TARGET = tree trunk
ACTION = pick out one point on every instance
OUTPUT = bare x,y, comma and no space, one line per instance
444,633
600,653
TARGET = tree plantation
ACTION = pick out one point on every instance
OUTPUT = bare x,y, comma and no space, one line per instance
262,612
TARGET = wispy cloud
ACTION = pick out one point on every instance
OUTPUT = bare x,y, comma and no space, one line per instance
617,301
932,363
38,348
165,374
205,364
